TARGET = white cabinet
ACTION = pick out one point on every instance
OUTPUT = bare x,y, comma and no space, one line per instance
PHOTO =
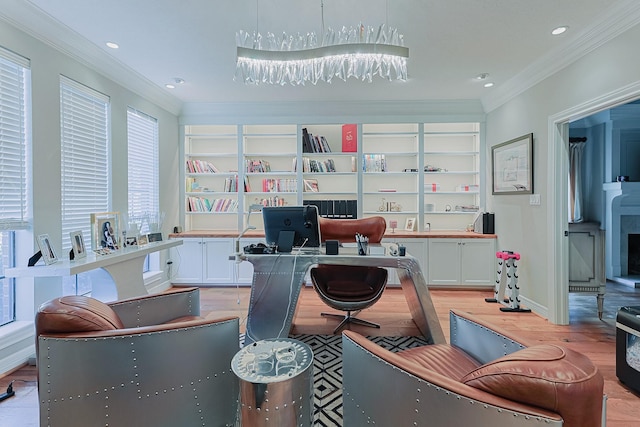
466,262
204,260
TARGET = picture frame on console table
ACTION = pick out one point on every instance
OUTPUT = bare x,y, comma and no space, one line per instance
77,244
512,166
104,230
410,224
46,249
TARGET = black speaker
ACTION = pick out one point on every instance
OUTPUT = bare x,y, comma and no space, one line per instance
332,247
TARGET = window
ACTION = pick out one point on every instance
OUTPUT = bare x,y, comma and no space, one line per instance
85,169
15,85
142,139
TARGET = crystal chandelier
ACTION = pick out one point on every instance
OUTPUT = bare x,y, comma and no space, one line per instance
360,52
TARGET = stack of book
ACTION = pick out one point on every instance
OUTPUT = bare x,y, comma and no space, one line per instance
201,166
314,144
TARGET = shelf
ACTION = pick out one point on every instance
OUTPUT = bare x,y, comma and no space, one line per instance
278,148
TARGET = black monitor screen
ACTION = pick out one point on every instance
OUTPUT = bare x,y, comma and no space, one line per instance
301,220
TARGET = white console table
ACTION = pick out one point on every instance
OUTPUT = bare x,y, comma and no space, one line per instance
124,266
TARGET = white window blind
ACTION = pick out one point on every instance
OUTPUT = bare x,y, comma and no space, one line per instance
14,115
142,165
85,169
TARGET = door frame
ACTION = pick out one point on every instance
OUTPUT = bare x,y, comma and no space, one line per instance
557,189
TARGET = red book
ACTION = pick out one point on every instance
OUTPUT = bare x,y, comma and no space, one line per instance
349,138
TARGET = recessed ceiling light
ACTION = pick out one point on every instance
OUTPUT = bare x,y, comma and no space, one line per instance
482,76
559,30
178,80
488,84
112,45
170,86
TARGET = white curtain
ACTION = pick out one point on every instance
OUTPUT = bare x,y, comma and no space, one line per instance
576,150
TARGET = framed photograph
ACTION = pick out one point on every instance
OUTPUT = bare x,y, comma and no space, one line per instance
44,243
512,166
410,224
77,244
104,230
132,241
311,185
143,240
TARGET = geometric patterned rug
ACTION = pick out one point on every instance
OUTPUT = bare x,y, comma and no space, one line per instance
327,371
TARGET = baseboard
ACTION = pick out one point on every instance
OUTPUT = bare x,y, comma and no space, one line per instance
17,345
540,310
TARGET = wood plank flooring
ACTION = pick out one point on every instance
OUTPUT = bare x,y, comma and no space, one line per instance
585,333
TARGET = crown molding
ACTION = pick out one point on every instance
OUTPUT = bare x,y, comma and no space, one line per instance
332,112
63,39
619,19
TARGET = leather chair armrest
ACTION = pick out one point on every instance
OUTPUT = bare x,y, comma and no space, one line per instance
128,332
158,308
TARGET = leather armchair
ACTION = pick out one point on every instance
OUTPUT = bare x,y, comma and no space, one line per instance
150,360
347,287
484,378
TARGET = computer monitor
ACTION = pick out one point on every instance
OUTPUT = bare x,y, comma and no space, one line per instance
291,226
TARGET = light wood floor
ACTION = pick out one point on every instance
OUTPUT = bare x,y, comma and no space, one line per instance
585,333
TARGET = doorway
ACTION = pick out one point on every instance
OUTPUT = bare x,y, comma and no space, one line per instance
558,248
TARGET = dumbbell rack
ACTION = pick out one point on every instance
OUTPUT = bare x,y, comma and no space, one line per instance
507,291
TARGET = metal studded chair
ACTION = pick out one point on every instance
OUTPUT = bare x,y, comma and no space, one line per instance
346,287
484,377
142,361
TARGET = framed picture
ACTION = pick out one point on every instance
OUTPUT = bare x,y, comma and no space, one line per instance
44,243
410,224
310,185
512,166
104,230
143,240
132,241
77,244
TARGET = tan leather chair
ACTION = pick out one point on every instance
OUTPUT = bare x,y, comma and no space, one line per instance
148,361
483,378
346,287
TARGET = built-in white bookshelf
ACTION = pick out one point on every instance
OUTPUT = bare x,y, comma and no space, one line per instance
429,172
451,159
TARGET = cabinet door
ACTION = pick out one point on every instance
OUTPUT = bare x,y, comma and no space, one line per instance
187,260
216,266
478,262
444,262
244,270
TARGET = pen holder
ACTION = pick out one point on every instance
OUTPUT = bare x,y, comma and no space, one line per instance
363,248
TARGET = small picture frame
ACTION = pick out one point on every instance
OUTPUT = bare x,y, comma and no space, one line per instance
77,244
131,241
104,230
143,240
410,224
48,254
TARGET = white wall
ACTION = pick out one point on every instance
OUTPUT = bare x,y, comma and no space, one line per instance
47,64
607,70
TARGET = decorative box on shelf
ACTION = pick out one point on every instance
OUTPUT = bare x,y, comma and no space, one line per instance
472,188
431,187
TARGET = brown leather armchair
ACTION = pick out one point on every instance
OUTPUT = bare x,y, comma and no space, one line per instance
143,361
346,287
484,378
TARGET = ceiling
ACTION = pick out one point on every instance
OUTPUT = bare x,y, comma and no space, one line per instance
450,42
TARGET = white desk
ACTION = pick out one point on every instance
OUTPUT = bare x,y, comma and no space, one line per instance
277,280
124,266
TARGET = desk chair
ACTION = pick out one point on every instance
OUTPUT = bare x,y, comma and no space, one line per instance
347,287
142,361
